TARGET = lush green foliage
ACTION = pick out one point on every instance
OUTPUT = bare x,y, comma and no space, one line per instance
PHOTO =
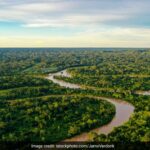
32,107
41,61
52,118
7,82
121,76
137,129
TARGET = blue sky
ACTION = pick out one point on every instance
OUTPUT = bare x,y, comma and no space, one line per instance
75,23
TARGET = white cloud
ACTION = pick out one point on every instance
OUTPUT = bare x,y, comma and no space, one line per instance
40,7
63,12
32,10
73,21
91,20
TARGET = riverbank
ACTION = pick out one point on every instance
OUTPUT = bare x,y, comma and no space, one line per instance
123,109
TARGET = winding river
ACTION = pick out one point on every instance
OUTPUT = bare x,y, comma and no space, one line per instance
123,109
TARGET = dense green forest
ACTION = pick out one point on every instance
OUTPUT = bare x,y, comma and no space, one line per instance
51,118
42,61
121,77
32,107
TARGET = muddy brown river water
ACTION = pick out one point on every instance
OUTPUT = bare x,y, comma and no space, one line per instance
123,109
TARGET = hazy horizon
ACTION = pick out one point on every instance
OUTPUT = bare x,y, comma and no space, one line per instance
84,48
75,24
